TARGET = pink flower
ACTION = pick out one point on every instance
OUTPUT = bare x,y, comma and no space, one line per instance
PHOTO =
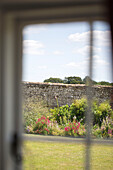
46,129
48,121
39,120
43,117
66,128
78,123
109,131
74,131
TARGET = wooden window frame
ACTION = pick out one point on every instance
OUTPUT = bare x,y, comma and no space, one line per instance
13,17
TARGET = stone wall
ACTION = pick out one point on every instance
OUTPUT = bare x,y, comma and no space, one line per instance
65,93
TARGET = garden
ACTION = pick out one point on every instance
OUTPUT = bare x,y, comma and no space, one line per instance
65,156
68,120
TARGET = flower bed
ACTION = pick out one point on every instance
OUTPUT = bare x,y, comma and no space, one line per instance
70,120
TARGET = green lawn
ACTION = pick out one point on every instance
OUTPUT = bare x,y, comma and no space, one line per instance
65,156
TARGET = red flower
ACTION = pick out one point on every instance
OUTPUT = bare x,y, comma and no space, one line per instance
78,123
46,129
66,128
48,121
39,120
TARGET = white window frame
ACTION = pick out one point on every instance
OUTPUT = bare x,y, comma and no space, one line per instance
13,17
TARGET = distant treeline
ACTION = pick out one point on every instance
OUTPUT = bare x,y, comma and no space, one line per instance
77,80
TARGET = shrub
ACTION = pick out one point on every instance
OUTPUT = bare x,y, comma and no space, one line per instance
101,112
60,114
42,126
31,110
29,130
72,128
106,130
61,120
57,130
78,109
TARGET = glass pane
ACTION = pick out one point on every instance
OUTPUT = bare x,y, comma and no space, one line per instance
55,79
102,79
55,63
102,157
102,53
47,155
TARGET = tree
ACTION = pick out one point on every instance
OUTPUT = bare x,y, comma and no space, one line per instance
87,80
104,83
73,80
54,80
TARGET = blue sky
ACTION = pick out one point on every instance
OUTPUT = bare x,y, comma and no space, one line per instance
61,50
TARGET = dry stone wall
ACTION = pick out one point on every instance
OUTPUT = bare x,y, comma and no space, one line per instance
65,93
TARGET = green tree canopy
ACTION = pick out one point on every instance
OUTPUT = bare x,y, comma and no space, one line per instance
54,80
73,80
76,80
104,83
88,80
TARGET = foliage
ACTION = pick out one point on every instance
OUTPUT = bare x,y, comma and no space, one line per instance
77,80
87,80
72,128
68,120
101,112
28,129
32,110
78,109
104,83
66,113
106,130
60,114
57,130
73,80
54,80
42,126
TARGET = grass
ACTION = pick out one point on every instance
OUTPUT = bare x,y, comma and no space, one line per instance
65,156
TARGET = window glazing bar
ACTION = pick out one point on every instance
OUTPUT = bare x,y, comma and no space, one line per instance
89,99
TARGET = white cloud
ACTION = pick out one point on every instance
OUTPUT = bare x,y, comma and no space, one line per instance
58,52
72,64
34,29
85,50
101,38
33,43
79,37
32,47
99,60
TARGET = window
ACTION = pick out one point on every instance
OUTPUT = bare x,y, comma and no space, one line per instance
12,19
